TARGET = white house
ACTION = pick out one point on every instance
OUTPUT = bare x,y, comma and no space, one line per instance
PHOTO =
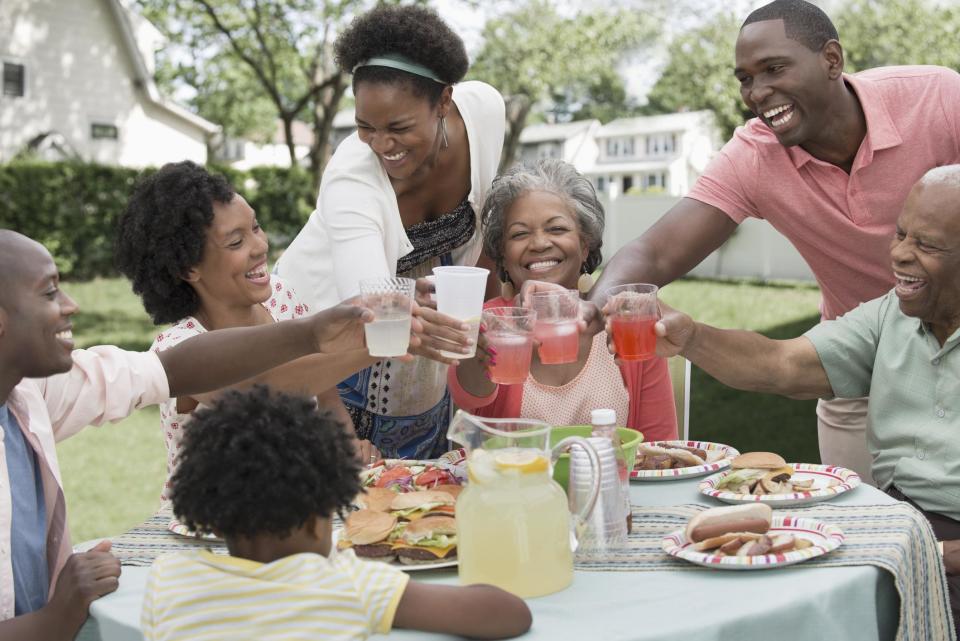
244,154
662,154
78,81
573,142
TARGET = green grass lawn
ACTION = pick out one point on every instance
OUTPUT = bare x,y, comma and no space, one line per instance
112,474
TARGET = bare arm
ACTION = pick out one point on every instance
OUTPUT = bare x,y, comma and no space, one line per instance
676,243
745,360
476,611
217,359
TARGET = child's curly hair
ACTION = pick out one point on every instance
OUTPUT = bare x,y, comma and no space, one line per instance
262,462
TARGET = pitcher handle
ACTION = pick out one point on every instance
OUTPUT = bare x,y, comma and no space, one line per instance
564,445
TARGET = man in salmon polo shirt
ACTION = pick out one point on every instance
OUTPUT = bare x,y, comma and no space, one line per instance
828,161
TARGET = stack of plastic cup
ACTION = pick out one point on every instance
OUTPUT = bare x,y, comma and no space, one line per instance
606,529
460,295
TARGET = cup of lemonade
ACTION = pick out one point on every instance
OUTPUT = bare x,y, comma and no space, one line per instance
391,301
633,311
556,329
509,330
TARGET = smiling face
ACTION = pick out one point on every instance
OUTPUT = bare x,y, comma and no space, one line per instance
35,326
542,241
785,83
233,271
925,253
401,128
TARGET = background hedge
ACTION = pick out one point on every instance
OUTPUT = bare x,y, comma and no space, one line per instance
72,207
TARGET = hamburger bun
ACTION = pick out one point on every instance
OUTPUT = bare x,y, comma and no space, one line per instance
452,490
416,499
739,519
758,461
427,527
377,499
364,527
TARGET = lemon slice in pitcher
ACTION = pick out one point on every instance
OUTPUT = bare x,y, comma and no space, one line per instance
525,462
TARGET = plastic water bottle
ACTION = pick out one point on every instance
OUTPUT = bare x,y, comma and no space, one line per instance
604,424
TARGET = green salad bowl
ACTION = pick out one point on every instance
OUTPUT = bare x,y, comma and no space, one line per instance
629,440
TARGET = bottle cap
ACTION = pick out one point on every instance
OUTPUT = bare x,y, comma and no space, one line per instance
603,417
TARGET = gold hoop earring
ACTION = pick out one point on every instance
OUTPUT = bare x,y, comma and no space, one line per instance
585,282
444,143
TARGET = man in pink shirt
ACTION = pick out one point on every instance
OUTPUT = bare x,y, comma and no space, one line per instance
828,161
49,391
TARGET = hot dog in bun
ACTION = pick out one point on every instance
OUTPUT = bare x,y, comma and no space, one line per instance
725,521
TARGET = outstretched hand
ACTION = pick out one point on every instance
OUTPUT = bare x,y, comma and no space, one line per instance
439,332
674,331
85,577
340,328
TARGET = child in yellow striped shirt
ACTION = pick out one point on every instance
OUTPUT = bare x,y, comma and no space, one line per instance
266,471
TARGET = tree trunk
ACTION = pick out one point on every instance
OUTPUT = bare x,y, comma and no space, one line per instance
518,107
325,110
287,119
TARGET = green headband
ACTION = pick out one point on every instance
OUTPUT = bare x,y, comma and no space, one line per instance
397,61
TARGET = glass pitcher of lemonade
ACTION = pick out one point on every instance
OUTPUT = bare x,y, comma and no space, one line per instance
514,528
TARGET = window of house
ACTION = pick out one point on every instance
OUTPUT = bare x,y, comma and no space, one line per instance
627,183
103,131
549,150
14,80
601,183
613,147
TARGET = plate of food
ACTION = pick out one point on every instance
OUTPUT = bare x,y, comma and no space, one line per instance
427,543
408,476
668,460
177,527
749,537
765,477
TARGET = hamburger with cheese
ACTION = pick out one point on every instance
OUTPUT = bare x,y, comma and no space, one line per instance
427,540
412,506
371,535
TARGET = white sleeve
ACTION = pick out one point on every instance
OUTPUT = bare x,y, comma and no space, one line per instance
353,214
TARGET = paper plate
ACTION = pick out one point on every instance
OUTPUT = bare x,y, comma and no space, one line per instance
825,538
693,470
828,482
177,527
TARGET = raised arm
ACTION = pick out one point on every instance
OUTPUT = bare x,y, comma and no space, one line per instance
745,360
475,611
217,359
676,243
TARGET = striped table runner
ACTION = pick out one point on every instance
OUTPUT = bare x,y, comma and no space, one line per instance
895,537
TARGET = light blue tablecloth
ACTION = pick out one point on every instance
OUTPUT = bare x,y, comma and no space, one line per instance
789,604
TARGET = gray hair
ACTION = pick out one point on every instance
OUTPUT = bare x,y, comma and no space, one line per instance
551,176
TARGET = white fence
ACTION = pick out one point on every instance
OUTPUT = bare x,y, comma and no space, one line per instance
756,250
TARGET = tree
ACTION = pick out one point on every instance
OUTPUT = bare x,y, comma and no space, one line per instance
243,55
699,75
533,55
876,33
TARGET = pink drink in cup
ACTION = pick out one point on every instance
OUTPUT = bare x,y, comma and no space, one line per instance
509,330
556,330
632,318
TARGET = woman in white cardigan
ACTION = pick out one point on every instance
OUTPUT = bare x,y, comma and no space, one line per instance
399,198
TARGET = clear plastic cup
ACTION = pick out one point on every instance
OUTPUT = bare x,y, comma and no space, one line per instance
556,329
460,293
509,330
633,313
391,301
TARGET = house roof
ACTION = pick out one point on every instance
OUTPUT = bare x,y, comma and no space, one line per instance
654,124
554,132
144,77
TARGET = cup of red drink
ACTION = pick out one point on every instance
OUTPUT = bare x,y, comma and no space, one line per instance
509,330
556,330
633,312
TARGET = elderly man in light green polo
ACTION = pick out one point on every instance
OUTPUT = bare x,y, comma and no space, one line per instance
900,349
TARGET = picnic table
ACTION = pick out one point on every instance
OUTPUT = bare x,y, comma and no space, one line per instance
856,592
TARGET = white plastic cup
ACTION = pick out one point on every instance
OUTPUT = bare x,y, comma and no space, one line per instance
391,301
460,293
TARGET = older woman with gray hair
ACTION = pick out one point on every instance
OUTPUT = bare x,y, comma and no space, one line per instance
543,222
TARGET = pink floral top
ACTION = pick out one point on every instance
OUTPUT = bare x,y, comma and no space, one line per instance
283,304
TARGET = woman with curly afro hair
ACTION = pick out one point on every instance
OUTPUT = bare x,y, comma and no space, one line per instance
401,197
195,255
283,577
